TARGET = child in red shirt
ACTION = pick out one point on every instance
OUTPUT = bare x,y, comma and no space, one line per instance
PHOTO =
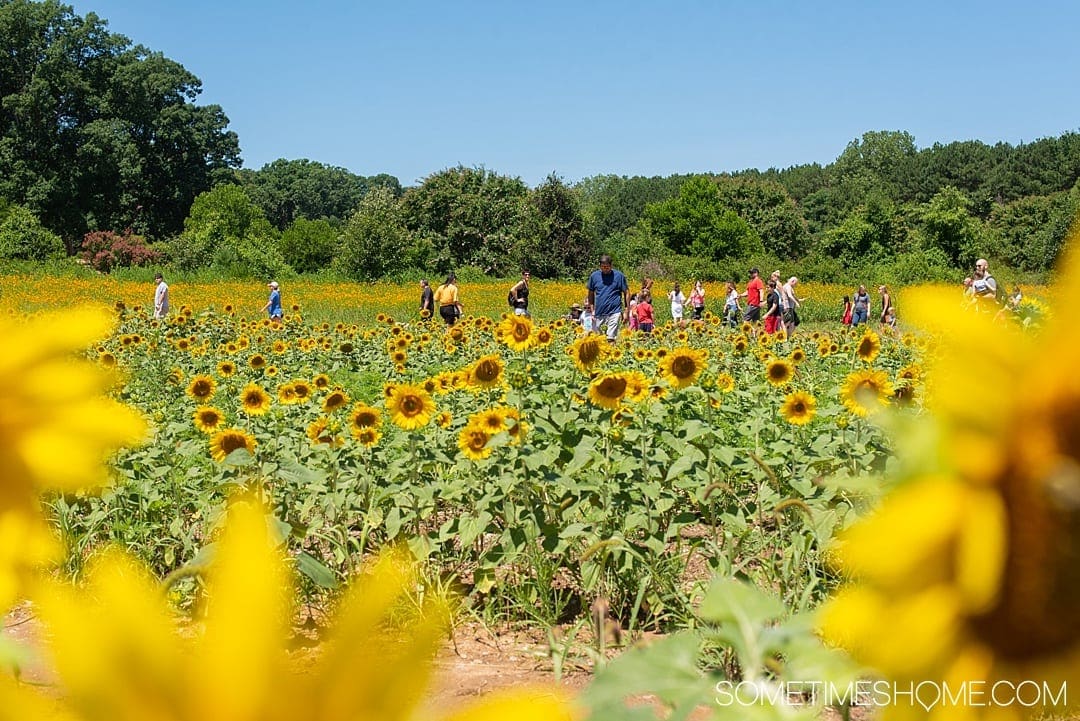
643,311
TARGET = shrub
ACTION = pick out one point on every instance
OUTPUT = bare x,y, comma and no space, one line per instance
105,250
23,237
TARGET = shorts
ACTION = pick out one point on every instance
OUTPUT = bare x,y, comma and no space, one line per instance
449,313
752,314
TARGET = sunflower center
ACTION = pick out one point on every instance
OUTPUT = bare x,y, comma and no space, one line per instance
612,387
487,370
411,405
683,367
521,333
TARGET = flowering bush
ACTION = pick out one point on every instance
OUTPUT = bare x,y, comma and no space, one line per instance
105,250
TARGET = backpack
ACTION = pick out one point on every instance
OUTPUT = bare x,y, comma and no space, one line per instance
511,298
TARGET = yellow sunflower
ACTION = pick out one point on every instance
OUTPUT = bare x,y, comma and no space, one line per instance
779,371
364,416
473,442
799,408
798,355
257,361
587,351
515,332
492,420
637,386
443,419
322,432
869,346
487,371
302,390
201,388
865,391
725,382
682,366
607,390
968,571
334,400
208,418
286,394
321,381
107,359
228,440
367,437
410,407
543,337
226,369
254,400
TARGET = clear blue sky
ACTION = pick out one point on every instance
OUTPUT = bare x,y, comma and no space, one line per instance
632,88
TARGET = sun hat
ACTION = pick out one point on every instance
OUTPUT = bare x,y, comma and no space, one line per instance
272,284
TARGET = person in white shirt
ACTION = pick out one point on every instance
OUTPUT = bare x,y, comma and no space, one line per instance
161,297
678,301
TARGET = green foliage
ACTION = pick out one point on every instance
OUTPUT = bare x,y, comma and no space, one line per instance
98,133
698,223
472,217
770,211
287,190
948,226
611,204
227,231
870,233
309,245
22,237
1029,234
563,247
375,242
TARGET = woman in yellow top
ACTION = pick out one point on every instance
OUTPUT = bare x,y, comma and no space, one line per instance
446,295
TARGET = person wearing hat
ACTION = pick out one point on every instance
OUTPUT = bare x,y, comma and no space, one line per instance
575,312
273,306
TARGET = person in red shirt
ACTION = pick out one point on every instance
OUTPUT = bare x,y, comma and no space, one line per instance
755,293
644,312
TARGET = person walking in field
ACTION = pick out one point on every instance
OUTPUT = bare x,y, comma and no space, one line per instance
161,297
887,311
755,294
273,305
427,299
446,295
731,304
644,313
678,302
697,300
861,308
519,293
609,297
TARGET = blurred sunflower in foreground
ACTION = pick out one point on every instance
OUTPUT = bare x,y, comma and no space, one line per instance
56,428
118,656
970,570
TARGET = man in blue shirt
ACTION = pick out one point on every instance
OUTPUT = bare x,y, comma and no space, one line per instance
608,295
273,306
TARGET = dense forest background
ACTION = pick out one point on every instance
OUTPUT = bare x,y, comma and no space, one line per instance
106,156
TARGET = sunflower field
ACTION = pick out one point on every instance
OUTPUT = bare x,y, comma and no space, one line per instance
702,482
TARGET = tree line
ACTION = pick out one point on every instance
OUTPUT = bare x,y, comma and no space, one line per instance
105,153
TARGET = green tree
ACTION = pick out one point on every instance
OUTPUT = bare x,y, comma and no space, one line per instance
291,189
309,245
698,223
227,231
871,233
472,217
770,211
96,133
947,224
562,247
613,203
1030,233
22,237
375,242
